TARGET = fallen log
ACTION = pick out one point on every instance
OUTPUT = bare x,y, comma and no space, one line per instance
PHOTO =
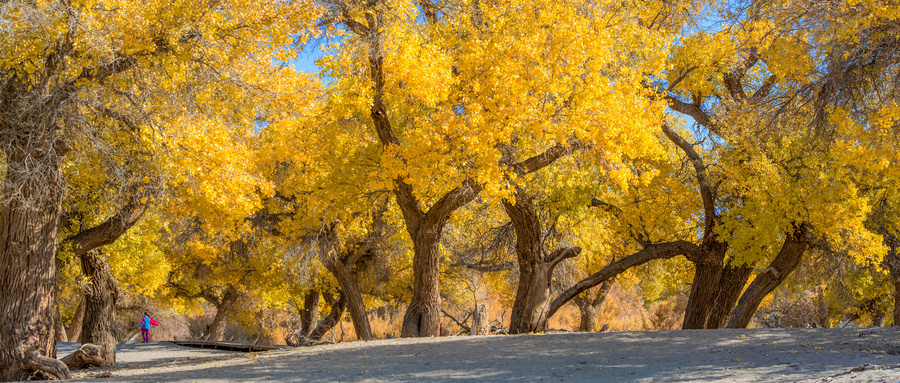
88,355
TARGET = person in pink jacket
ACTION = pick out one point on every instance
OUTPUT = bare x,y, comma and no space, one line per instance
145,327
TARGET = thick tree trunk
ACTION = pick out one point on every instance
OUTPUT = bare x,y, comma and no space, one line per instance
731,284
29,220
785,262
422,316
334,316
892,263
705,286
529,311
100,306
309,316
223,310
74,330
589,306
532,302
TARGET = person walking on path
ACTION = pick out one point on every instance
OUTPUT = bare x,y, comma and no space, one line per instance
145,327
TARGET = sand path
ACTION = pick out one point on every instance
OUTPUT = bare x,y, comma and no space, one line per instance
770,355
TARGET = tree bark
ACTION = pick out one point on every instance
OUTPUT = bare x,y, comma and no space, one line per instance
30,208
355,303
650,252
480,321
74,330
309,316
795,245
422,317
334,316
590,306
532,302
341,267
892,264
731,284
59,328
705,285
100,306
224,306
88,355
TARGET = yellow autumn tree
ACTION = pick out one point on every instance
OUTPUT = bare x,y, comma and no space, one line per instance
130,69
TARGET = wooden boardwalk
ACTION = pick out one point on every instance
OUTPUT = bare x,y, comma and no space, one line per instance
229,346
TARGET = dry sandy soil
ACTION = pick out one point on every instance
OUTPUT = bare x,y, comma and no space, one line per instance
769,355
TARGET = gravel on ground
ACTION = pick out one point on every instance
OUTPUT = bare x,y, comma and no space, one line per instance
731,355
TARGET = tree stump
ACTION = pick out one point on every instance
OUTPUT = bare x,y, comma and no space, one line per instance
88,355
480,325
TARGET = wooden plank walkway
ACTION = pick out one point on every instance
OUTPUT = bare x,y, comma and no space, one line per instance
230,346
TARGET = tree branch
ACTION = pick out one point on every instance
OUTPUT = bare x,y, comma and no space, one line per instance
707,192
108,231
487,266
692,110
649,253
561,254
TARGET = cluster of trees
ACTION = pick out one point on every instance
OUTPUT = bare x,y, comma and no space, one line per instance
169,149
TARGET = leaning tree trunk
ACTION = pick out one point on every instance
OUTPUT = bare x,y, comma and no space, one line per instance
224,307
30,208
339,264
74,330
309,315
708,271
785,262
58,326
731,284
355,303
334,316
100,306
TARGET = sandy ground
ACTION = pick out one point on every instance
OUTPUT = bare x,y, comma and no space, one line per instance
768,355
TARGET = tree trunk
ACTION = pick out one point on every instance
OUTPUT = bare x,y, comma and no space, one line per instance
309,316
100,306
785,262
731,284
74,330
30,208
529,311
532,302
480,321
355,303
422,316
590,306
892,263
704,287
337,311
223,309
60,329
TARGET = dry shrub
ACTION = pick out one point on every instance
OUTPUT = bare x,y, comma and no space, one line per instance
667,314
623,310
807,309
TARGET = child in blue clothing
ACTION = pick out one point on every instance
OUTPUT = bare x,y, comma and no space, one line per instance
145,327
